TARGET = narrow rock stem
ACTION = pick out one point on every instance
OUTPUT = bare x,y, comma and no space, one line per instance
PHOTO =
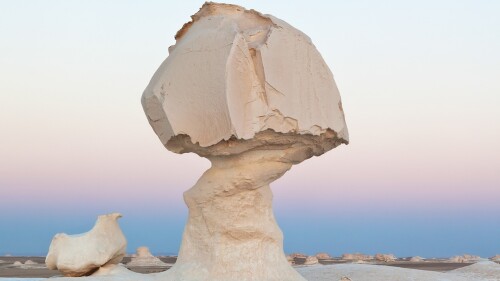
231,233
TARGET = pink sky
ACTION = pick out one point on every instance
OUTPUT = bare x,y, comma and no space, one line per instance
419,85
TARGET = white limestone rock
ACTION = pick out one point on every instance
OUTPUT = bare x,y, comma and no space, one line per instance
356,257
385,257
486,270
311,260
234,72
17,263
495,258
323,256
417,259
298,255
82,254
253,95
143,257
464,258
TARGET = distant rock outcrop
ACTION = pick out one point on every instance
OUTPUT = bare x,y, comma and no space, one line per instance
298,255
356,257
143,257
464,258
417,259
385,257
17,263
30,262
323,256
495,258
311,260
79,255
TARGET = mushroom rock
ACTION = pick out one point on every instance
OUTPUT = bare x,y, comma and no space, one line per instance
252,94
17,263
144,257
385,257
417,259
323,256
311,260
356,257
495,258
82,254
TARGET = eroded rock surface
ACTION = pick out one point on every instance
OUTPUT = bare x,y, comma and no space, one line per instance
495,258
143,257
464,258
417,259
356,257
385,257
323,256
311,260
235,72
252,94
82,254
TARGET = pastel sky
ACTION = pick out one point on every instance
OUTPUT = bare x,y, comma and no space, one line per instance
420,84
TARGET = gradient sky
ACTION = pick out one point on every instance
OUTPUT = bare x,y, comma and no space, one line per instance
420,84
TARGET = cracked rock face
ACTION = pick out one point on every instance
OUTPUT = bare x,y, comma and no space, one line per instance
234,73
252,94
82,254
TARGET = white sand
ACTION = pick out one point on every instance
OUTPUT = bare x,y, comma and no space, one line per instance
482,271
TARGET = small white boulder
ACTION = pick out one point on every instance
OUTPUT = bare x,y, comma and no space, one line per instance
356,257
464,259
311,260
82,254
417,259
323,256
495,258
385,257
143,257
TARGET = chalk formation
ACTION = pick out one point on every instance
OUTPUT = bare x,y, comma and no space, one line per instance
143,257
253,95
82,254
356,257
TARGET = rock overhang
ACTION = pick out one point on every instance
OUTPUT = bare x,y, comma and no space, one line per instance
254,73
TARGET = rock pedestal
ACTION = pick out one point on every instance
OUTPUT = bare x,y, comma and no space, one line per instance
231,233
83,254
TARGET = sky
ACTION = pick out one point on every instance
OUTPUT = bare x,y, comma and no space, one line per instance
420,86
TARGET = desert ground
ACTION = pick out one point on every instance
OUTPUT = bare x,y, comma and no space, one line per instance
325,269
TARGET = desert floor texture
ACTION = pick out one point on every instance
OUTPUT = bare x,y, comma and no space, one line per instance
327,269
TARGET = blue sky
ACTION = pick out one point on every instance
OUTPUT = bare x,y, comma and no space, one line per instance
419,85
